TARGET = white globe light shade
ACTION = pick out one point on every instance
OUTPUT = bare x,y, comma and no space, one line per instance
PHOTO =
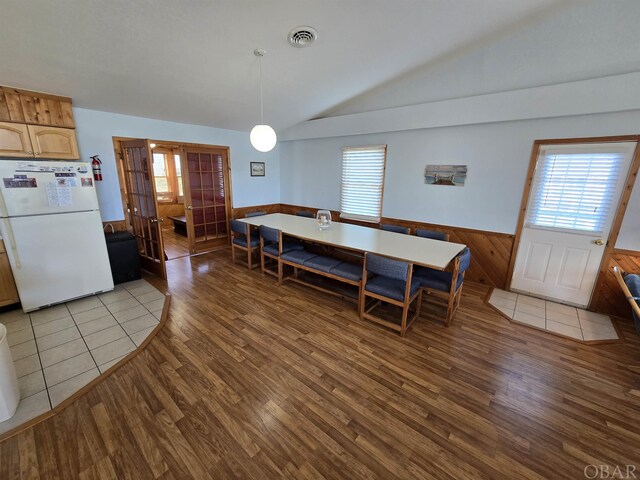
263,138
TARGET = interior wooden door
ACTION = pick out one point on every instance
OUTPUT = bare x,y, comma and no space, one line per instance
207,196
142,205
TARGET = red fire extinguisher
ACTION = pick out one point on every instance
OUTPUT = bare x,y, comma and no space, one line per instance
96,167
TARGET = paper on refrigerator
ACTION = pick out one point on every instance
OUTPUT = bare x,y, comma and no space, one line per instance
59,193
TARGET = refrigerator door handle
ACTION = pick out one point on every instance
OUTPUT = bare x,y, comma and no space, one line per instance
12,244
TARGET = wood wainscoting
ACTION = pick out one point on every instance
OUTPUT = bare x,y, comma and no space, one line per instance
607,296
118,226
491,250
241,212
491,253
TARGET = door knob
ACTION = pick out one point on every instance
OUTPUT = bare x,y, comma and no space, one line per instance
153,220
599,242
189,207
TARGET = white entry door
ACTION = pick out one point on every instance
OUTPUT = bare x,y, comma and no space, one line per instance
573,200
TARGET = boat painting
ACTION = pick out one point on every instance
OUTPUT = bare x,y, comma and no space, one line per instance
453,175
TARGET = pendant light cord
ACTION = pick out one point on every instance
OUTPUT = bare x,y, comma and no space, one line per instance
261,102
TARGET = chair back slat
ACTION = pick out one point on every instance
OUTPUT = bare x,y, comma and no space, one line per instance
394,228
269,234
238,226
387,267
465,260
432,234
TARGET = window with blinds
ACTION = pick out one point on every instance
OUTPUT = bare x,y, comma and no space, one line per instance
574,191
362,182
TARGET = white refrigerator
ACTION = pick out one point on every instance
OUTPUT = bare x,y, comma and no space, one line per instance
51,226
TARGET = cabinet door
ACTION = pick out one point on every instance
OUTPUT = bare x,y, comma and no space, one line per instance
54,142
14,140
8,292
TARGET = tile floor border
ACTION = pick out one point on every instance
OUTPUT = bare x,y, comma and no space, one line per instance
582,330
68,389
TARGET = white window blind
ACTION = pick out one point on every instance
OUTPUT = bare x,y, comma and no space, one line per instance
362,182
574,191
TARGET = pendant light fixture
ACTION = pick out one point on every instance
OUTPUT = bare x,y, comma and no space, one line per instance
263,137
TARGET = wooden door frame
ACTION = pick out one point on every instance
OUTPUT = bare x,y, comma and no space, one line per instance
619,215
180,146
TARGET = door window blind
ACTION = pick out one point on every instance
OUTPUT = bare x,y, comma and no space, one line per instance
362,182
574,191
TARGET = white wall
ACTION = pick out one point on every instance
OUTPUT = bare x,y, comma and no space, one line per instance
629,238
95,130
497,155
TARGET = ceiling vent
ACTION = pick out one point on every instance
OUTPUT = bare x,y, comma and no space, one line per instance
301,37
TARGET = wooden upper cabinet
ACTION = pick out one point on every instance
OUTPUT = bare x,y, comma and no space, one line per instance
34,108
14,140
53,142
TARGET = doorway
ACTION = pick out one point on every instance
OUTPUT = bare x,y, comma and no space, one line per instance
177,199
167,174
570,207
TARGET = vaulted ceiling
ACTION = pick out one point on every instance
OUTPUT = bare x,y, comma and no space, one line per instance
192,60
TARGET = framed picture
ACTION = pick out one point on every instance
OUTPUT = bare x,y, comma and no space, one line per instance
453,175
257,169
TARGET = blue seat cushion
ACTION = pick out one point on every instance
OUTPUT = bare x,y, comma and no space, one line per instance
350,271
633,283
322,263
297,256
390,287
242,241
435,279
287,246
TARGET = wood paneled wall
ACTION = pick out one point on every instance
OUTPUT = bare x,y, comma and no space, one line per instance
241,212
607,297
491,253
170,210
118,226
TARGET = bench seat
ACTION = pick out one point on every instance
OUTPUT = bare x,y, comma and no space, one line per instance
348,271
297,256
322,263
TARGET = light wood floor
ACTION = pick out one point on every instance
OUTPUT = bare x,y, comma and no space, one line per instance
175,245
249,380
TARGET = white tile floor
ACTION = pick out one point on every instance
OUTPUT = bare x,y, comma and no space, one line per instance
58,350
568,321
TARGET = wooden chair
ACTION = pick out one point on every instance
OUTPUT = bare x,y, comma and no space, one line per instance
255,214
628,282
272,246
394,228
442,284
421,232
241,240
392,283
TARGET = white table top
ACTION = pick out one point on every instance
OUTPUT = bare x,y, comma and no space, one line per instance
421,251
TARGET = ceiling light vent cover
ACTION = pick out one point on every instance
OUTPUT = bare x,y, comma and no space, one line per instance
301,37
